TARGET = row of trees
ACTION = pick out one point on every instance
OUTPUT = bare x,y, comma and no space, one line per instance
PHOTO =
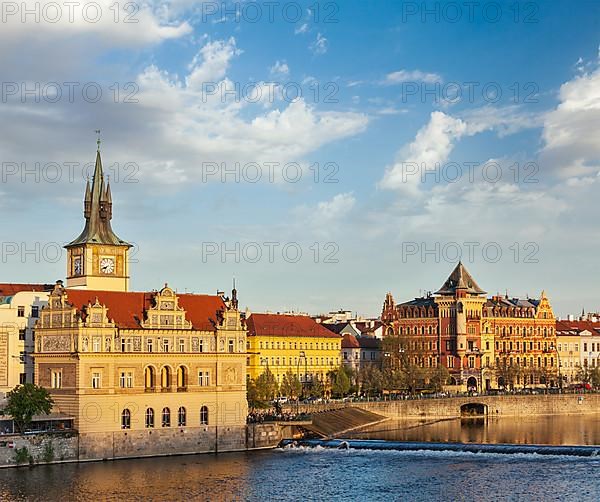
371,380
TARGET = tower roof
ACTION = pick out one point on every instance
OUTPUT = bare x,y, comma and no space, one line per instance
98,213
460,279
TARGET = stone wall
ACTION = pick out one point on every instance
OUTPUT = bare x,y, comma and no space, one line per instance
151,442
517,405
264,435
41,448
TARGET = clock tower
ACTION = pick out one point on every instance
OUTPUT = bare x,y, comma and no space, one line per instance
98,259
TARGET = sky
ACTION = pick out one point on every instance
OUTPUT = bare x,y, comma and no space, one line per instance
322,153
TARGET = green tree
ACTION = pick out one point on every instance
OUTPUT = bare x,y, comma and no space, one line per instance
340,383
371,380
25,401
317,388
438,377
252,393
266,386
290,385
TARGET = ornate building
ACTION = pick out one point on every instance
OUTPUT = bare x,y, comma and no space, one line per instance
483,342
139,372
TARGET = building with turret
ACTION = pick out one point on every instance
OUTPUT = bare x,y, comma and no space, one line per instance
483,342
139,373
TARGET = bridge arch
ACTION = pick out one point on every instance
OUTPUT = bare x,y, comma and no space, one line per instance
473,409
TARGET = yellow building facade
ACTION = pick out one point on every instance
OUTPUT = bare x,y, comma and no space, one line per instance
291,343
139,372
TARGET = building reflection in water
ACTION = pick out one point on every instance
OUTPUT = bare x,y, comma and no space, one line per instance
550,429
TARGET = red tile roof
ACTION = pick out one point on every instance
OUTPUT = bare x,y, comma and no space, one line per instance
7,289
563,327
286,325
128,309
350,342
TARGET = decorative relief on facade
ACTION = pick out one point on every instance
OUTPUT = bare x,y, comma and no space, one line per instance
137,343
58,343
231,375
107,343
85,344
166,312
195,344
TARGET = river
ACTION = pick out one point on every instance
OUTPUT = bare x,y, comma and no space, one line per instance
330,475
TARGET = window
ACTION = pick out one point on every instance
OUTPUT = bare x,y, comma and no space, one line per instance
95,380
149,346
96,344
181,345
149,418
56,379
20,311
166,417
181,417
201,345
231,346
204,415
203,378
126,419
126,379
21,334
165,345
125,344
35,311
22,378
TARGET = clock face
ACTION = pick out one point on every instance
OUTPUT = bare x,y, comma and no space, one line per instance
77,266
107,265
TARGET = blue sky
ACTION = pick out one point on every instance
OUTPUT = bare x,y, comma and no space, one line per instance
369,60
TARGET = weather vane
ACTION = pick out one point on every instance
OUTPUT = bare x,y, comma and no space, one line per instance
97,131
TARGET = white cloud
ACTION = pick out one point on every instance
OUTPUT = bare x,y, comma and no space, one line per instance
432,145
303,28
279,69
326,217
570,135
400,76
320,45
211,62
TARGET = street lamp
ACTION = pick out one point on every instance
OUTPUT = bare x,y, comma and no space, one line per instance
300,356
560,378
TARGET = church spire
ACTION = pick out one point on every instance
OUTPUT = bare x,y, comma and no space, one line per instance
98,211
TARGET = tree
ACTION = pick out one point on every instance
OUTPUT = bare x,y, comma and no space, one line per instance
252,393
290,385
438,377
317,389
25,401
371,380
506,374
266,387
340,384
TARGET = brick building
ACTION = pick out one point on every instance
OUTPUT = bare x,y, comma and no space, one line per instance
483,342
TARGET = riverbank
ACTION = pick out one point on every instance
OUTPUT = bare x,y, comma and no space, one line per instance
452,407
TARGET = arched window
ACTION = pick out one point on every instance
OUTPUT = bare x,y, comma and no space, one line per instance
149,378
166,417
149,418
165,378
204,415
182,378
126,419
181,417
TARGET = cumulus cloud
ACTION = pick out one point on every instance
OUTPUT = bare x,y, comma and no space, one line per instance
279,69
326,216
571,146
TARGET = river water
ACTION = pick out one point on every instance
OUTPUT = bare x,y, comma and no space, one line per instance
354,475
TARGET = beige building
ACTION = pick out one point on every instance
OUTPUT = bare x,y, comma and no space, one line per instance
139,372
20,305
